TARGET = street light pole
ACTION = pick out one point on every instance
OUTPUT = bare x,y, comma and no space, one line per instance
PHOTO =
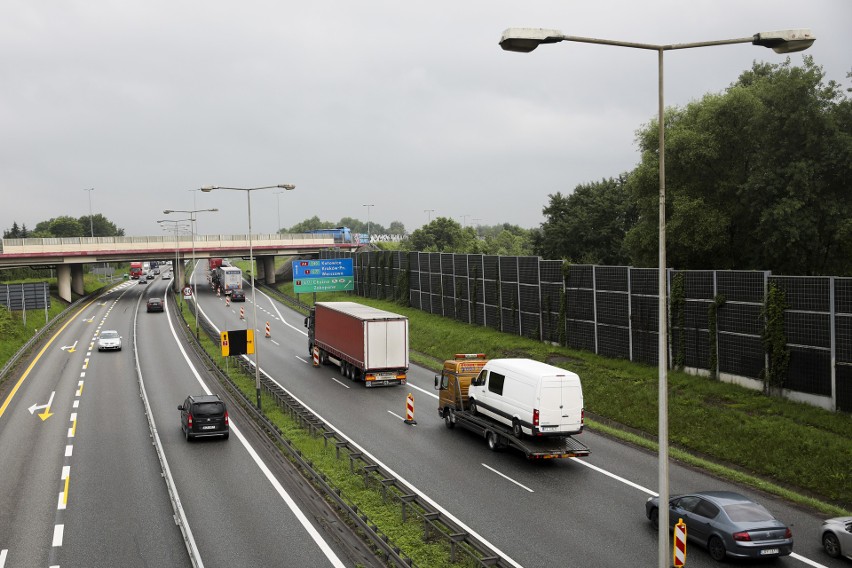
175,284
525,40
278,195
248,190
91,220
192,280
429,217
368,206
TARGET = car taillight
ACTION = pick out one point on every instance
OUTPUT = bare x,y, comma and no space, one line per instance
742,536
226,418
535,417
189,420
583,416
788,533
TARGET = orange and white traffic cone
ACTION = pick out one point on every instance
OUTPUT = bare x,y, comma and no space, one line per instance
409,410
268,335
217,292
242,313
227,301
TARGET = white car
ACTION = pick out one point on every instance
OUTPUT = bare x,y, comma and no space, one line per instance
167,275
109,340
837,537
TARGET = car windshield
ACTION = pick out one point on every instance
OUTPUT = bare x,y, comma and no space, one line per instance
209,409
748,513
109,335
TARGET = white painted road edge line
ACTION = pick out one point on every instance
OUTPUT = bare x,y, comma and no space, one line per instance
3,554
340,383
311,530
504,476
616,477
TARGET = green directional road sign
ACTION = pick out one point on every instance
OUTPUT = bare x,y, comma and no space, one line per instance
338,284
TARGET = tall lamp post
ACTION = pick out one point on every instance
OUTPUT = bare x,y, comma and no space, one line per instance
278,195
177,225
525,40
368,206
192,279
429,216
91,220
248,190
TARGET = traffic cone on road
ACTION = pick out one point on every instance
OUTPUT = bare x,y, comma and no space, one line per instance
409,410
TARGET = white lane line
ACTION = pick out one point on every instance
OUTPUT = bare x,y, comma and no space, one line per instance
506,477
306,524
339,383
807,561
302,360
58,532
275,342
3,554
76,403
69,449
616,477
397,415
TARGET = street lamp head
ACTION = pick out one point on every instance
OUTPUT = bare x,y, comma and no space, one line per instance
208,188
287,186
524,40
167,211
785,41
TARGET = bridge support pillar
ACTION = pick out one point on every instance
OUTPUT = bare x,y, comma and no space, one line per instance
179,276
269,268
63,281
77,279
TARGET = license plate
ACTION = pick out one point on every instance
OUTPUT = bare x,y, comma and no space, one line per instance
769,551
546,428
208,427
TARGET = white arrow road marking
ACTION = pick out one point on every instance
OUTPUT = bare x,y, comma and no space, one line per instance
70,348
35,407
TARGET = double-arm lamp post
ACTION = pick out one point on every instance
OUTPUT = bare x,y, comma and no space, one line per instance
248,190
525,40
192,280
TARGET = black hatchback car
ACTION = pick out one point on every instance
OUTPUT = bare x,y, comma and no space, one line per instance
155,305
204,415
238,296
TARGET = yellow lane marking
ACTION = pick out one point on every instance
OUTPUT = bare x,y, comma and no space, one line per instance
86,363
73,430
79,389
33,364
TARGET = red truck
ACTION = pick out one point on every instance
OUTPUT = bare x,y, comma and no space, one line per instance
135,270
367,344
214,263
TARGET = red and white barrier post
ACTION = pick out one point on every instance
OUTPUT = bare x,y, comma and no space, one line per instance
227,301
316,356
679,544
409,410
268,335
242,313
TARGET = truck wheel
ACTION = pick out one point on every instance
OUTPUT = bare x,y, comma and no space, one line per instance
472,406
493,442
449,418
516,428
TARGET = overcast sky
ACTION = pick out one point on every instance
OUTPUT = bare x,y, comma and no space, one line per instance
409,106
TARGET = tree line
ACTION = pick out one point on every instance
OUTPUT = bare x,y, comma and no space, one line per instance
65,226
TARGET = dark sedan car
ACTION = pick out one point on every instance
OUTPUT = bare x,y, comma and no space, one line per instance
238,296
727,524
155,305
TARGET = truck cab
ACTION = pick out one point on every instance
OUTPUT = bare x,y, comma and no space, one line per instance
454,382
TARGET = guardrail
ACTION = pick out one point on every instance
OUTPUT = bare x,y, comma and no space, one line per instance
464,547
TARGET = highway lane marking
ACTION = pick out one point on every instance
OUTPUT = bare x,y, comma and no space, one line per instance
69,449
291,504
3,554
63,496
86,363
300,359
47,413
73,429
76,403
617,477
58,533
34,362
70,348
339,383
275,342
79,389
392,413
506,477
807,561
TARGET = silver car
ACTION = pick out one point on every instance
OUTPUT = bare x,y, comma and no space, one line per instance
109,340
837,537
727,524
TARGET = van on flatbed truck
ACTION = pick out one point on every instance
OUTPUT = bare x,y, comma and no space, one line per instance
454,407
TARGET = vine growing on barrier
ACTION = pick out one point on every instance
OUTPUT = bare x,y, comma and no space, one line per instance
712,324
775,339
678,305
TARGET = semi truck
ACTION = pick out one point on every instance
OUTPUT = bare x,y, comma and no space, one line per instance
214,263
229,278
135,270
457,408
368,344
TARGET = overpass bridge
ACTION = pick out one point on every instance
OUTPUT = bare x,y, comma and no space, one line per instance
68,255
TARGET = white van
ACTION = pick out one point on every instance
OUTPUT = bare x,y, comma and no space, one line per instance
533,398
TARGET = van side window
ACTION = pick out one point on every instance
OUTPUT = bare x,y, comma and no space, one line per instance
495,383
